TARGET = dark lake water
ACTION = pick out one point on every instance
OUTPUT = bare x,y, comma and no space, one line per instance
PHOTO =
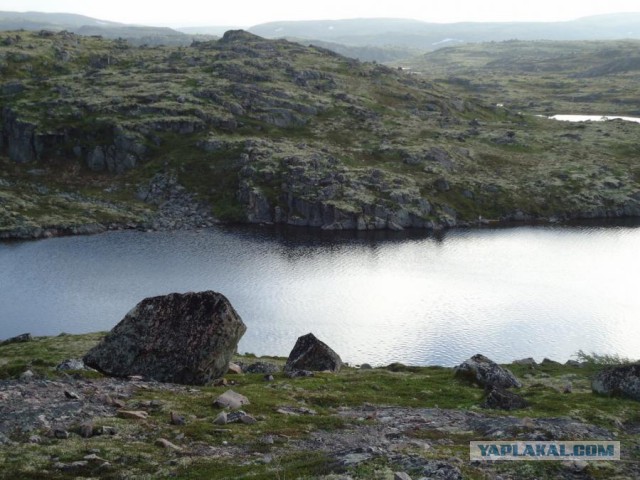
507,293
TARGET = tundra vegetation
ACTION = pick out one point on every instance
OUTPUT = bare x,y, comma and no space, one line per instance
350,413
268,131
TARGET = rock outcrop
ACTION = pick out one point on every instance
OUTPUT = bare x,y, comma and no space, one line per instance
181,338
486,373
22,338
311,354
622,381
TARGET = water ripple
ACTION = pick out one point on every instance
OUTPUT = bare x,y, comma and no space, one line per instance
541,292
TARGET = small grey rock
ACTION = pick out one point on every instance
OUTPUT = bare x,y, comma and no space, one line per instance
401,476
231,399
221,419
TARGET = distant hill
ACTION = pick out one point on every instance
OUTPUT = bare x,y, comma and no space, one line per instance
574,59
544,77
83,25
430,36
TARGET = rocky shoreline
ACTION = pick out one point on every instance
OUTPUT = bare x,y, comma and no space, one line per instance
182,212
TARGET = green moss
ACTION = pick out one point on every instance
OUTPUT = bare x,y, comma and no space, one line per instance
42,353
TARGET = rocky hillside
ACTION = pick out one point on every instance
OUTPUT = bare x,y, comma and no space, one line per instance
96,132
427,36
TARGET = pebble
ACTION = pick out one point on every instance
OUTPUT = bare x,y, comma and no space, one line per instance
60,433
221,419
93,458
401,476
176,419
248,419
133,414
71,395
231,399
234,369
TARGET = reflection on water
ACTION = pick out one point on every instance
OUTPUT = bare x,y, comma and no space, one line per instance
509,293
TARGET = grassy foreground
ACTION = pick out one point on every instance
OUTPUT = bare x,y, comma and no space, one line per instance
274,447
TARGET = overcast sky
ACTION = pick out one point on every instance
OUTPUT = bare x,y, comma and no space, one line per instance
250,12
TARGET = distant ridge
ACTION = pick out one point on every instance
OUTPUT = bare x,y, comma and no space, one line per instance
429,36
83,25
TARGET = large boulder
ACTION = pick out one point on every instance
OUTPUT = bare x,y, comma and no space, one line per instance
181,338
486,373
622,381
309,353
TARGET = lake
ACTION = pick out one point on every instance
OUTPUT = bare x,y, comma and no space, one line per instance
376,298
593,118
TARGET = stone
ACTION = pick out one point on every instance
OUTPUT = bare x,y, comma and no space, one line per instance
248,419
133,414
92,457
71,364
441,470
60,433
176,419
299,373
107,430
525,361
501,399
486,373
295,411
71,395
262,367
27,375
234,369
548,362
309,353
574,363
231,399
180,338
619,381
164,443
365,366
221,419
576,466
401,476
268,378
235,417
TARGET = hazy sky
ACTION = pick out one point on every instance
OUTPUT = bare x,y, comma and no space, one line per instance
251,12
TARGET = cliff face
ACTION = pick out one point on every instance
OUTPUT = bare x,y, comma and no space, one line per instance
271,131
